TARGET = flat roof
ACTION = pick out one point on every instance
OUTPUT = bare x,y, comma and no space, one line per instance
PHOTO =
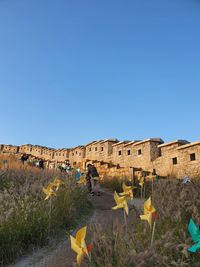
188,145
90,143
121,142
96,142
132,142
81,147
110,140
174,142
150,140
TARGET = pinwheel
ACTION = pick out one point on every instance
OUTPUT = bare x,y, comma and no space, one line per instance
151,177
186,180
195,234
56,183
78,245
148,211
141,184
141,181
48,192
127,191
121,203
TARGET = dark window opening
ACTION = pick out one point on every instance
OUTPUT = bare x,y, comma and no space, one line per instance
139,151
128,152
95,148
119,153
90,149
102,149
192,157
174,161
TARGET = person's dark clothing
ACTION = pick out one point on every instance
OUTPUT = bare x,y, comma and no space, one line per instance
92,171
24,157
41,164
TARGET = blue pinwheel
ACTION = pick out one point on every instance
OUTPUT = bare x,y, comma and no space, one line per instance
195,234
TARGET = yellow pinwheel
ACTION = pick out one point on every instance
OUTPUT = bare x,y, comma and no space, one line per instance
121,203
127,191
148,211
78,245
151,177
48,192
82,180
56,183
141,181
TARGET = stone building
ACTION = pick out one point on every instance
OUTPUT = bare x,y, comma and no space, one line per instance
77,156
47,153
118,154
100,150
174,159
189,160
27,149
167,164
60,155
9,149
106,149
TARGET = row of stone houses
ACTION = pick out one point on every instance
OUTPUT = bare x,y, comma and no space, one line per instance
177,158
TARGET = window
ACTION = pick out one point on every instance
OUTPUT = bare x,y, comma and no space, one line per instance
90,149
63,154
119,152
56,154
72,154
174,161
128,152
76,152
192,157
95,148
102,149
139,152
59,154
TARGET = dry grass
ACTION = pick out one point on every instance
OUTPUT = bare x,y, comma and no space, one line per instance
25,218
176,204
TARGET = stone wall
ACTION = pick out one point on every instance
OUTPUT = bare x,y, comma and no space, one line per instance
175,159
178,159
9,149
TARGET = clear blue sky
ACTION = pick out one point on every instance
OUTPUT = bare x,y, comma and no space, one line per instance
73,71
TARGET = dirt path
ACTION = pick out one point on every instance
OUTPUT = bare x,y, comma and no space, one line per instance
61,255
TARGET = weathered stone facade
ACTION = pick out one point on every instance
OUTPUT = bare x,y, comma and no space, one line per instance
176,159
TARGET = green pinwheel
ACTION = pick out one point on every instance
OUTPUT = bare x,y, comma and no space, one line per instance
195,234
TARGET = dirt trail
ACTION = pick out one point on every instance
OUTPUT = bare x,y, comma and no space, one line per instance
61,255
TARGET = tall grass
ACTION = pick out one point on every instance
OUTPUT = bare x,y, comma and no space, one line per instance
26,220
175,204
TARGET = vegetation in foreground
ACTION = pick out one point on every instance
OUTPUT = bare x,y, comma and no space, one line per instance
26,219
176,204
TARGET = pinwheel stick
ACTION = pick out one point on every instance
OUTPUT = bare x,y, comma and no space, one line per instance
153,232
144,190
125,221
90,259
152,187
50,208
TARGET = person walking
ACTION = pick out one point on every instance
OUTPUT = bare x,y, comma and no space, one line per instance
93,177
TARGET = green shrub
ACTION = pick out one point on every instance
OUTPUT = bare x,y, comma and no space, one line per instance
26,219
